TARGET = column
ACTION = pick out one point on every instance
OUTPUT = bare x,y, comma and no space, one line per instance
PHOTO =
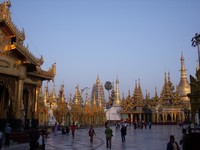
157,117
140,117
163,116
37,89
19,98
153,117
144,117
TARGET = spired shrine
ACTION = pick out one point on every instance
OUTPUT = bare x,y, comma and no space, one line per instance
21,75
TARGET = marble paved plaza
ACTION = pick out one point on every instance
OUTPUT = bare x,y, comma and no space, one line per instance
139,139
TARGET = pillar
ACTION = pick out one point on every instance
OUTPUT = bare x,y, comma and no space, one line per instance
35,119
140,117
16,122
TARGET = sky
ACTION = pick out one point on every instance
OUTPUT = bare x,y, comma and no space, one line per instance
124,39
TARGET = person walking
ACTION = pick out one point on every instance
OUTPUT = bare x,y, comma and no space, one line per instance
109,135
149,124
7,135
172,144
91,133
123,133
1,138
73,128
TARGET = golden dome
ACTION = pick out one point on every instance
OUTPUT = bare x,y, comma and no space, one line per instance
184,87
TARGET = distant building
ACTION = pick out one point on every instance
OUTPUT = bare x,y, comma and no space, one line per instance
98,93
170,107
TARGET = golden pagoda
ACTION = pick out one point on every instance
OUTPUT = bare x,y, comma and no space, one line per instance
62,109
184,86
21,75
87,111
76,108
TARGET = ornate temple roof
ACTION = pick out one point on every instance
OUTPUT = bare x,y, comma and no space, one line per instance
137,94
16,44
168,88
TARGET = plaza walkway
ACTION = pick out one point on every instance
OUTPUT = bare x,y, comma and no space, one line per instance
139,139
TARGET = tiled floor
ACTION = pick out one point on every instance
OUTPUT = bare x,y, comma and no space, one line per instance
140,139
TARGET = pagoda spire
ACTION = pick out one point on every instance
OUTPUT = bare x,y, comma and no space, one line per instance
169,77
94,101
183,70
184,87
62,93
77,97
54,92
138,96
136,84
129,93
117,94
165,79
97,80
156,93
147,95
45,94
87,101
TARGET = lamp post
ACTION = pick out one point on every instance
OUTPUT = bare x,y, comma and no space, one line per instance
195,42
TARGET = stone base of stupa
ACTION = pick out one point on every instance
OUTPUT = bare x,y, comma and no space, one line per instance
113,114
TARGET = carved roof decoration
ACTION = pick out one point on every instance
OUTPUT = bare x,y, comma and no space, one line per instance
16,44
5,17
138,96
168,88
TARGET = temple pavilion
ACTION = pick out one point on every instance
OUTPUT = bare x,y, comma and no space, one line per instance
21,75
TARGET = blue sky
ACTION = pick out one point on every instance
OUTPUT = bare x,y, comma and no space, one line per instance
127,39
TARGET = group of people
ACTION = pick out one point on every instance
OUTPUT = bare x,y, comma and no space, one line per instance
66,130
37,137
142,124
185,141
